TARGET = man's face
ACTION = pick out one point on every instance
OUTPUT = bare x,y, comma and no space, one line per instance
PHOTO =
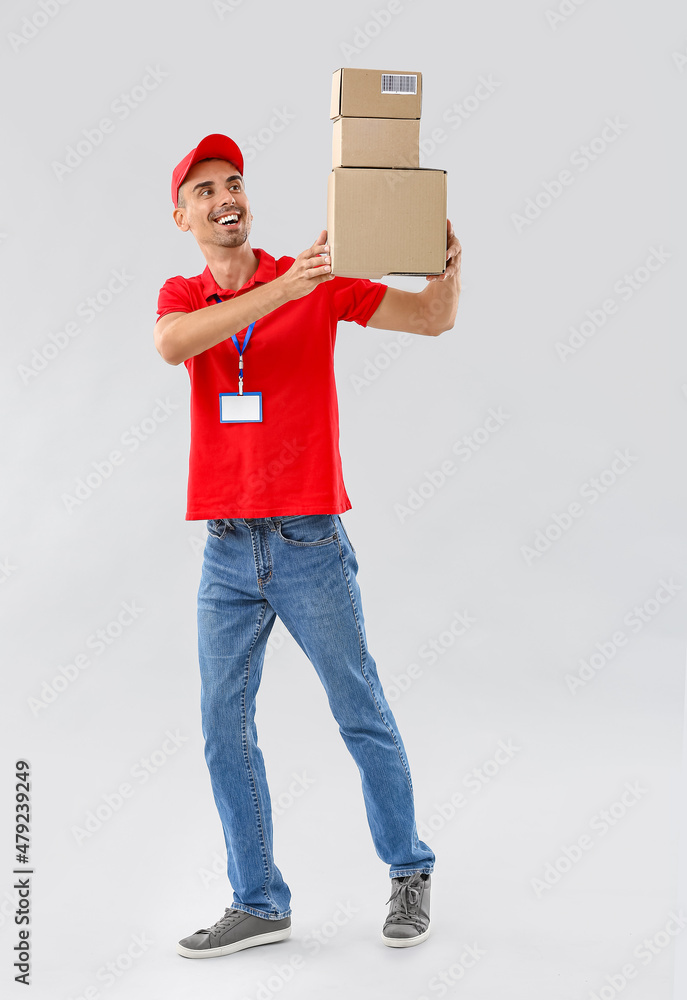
211,195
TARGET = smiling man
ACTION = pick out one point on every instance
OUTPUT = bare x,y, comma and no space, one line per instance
257,337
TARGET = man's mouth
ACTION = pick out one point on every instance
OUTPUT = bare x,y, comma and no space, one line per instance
230,220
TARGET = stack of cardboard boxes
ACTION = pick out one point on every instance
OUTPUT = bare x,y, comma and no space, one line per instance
385,215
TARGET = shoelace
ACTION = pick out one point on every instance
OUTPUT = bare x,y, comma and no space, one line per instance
407,895
230,916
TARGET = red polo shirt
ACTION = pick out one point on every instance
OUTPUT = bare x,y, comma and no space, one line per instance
289,463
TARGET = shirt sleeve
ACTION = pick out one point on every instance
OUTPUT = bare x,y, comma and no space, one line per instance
357,299
174,296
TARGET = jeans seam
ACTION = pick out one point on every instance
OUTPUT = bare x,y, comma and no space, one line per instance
338,516
260,580
362,666
307,545
244,740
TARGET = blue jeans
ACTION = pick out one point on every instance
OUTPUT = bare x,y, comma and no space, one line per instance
302,568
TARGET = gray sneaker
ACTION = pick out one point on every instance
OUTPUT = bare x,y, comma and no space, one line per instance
408,920
233,932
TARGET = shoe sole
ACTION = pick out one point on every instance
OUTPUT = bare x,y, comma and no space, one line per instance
229,949
405,942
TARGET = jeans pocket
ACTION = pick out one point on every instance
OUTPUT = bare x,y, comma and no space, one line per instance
217,527
307,529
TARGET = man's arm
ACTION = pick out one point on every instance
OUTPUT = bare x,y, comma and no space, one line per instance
180,335
431,311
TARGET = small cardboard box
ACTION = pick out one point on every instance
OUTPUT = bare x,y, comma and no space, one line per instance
375,93
376,142
383,221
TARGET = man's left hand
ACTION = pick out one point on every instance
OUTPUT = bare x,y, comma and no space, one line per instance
453,255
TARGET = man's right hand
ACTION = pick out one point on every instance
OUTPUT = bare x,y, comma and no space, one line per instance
309,269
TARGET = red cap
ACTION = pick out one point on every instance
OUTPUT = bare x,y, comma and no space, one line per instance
215,146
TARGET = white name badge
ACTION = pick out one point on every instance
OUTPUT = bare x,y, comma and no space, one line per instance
235,408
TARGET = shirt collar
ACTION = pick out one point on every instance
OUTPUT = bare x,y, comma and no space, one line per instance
267,270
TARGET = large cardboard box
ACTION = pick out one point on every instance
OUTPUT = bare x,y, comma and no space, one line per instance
386,221
376,142
375,93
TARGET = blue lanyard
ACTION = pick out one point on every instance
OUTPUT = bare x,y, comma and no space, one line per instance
238,347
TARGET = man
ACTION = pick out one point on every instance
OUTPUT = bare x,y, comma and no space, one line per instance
265,472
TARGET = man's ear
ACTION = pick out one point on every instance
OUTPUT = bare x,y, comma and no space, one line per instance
180,219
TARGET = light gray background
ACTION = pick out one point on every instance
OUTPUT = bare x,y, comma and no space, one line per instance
151,868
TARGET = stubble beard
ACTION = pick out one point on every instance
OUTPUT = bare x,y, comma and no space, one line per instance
236,237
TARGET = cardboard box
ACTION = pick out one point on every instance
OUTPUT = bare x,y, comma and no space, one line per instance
386,221
375,93
376,142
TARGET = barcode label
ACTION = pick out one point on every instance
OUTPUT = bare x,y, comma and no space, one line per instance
395,83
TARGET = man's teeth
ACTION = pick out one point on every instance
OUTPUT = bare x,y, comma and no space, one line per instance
227,219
